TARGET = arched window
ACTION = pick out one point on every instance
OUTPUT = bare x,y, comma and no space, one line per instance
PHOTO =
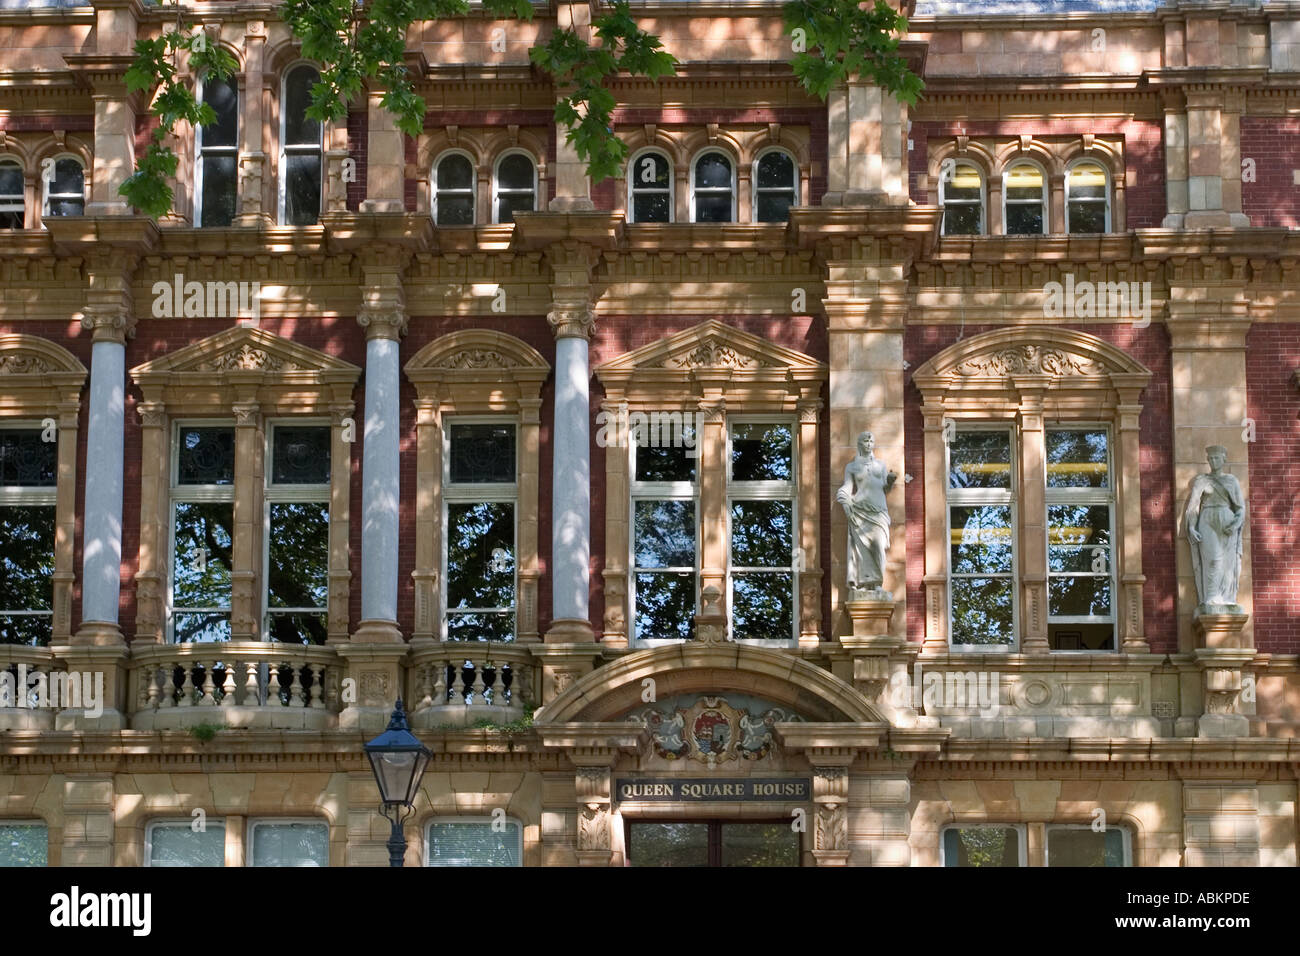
217,146
776,186
453,190
650,188
300,150
961,194
515,186
713,188
65,187
11,195
1024,200
1087,198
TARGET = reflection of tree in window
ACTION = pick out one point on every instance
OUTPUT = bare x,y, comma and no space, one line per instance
297,574
301,150
961,194
28,480
516,186
218,147
12,196
776,187
650,180
1080,550
981,846
1087,199
762,531
981,561
453,198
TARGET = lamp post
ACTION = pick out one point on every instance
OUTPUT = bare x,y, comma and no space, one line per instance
398,760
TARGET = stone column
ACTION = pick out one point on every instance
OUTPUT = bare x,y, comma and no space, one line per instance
385,160
1033,515
865,159
809,566
712,471
1127,550
116,26
253,211
151,576
342,435
572,184
1176,196
936,528
530,440
246,554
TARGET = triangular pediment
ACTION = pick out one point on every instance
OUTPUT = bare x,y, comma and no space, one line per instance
245,349
713,347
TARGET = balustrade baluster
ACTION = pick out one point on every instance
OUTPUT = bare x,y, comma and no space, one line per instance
295,688
208,699
151,675
476,690
273,686
228,686
317,675
169,684
250,685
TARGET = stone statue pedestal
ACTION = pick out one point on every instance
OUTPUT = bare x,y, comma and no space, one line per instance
870,611
1221,670
1220,625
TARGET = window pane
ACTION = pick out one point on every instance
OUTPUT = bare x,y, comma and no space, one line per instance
298,555
965,185
206,456
24,844
510,203
299,129
981,611
1079,596
669,844
1087,217
25,460
774,207
455,209
1074,528
300,455
1087,181
1077,459
299,627
291,844
979,460
218,191
981,846
455,172
180,846
515,172
713,207
665,605
28,630
26,567
482,454
650,169
650,207
762,606
481,554
961,220
302,189
759,844
11,220
201,571
481,626
761,452
664,535
713,170
666,459
761,534
1084,847
11,180
1024,182
981,540
474,844
1024,220
224,100
775,171
69,178
67,207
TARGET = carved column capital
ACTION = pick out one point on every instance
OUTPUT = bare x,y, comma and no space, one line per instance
382,323
109,323
572,323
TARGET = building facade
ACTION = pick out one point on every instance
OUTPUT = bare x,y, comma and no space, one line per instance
577,469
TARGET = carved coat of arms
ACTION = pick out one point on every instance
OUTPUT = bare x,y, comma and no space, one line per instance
711,730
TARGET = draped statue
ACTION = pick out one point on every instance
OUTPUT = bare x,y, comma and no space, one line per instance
1216,512
866,481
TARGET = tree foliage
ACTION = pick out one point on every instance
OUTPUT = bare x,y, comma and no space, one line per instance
837,40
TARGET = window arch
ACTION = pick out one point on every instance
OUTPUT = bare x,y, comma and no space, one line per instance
12,194
301,150
64,186
650,187
454,189
1087,197
216,174
713,187
514,186
776,185
1024,199
961,195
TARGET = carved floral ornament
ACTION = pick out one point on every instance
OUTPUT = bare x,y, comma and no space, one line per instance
1029,360
23,363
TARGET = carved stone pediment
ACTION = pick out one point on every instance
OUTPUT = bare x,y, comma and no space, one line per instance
22,355
242,349
474,350
1030,360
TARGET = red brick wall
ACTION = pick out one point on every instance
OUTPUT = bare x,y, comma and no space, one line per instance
1273,401
358,149
1149,346
1144,153
1273,199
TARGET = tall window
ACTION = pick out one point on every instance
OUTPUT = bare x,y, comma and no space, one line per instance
300,150
1078,844
665,533
1087,198
288,843
12,201
761,492
515,185
65,188
298,534
981,527
203,495
961,194
776,186
1024,198
28,476
218,152
453,190
480,490
650,188
713,188
1080,548
176,843
474,842
992,846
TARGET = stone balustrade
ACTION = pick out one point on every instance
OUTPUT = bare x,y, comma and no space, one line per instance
462,684
33,687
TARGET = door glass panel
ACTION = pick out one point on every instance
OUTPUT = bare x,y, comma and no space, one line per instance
669,844
759,844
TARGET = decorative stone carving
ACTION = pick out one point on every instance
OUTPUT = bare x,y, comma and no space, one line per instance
384,322
1029,360
23,363
712,730
1216,512
831,827
714,355
866,482
711,621
246,358
476,359
109,323
593,828
571,323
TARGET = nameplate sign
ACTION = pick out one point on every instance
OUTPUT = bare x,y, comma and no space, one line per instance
748,790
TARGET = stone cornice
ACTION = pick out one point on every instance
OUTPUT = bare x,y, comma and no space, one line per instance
355,232
541,230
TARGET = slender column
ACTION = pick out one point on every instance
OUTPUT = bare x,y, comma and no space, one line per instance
571,488
1033,511
245,603
253,211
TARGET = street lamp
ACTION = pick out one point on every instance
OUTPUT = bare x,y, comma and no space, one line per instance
398,760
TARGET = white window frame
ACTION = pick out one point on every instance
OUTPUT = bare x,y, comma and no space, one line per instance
1126,835
1069,169
484,821
765,491
193,494
633,188
713,190
31,496
15,202
793,189
250,834
46,195
472,191
1042,200
944,200
201,150
274,494
297,148
659,491
32,823
471,492
498,190
985,497
1021,838
177,822
1085,496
